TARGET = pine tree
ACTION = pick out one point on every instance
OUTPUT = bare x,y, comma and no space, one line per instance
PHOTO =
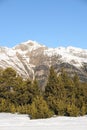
54,92
39,108
51,87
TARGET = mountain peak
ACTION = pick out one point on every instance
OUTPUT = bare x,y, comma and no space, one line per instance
31,43
28,45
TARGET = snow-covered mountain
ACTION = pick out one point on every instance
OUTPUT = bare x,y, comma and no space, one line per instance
31,59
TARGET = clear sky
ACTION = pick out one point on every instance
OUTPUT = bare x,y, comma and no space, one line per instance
53,23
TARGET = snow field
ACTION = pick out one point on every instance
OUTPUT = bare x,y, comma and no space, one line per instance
22,122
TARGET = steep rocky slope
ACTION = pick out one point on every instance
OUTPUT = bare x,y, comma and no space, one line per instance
31,59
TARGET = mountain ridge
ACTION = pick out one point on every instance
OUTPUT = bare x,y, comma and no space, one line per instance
31,59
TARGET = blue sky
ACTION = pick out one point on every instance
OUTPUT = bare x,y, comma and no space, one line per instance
51,22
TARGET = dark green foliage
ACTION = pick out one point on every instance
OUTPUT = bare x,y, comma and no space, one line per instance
62,95
39,108
52,83
66,96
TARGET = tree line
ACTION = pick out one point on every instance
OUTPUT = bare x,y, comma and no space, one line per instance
63,95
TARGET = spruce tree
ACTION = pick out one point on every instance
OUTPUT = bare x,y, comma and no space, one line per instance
52,83
54,92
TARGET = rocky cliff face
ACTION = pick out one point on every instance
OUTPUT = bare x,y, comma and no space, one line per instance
31,60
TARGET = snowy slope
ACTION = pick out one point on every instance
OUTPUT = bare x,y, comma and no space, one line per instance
72,55
22,122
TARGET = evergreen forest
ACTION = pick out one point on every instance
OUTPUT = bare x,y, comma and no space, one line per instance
63,95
